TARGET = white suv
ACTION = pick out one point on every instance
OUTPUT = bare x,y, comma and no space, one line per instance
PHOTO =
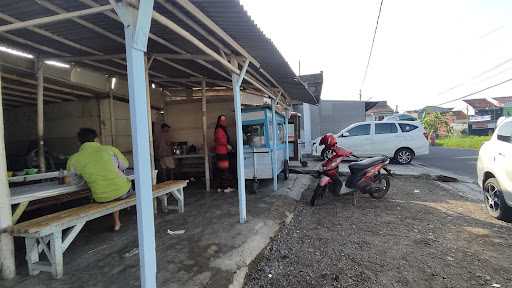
401,140
494,171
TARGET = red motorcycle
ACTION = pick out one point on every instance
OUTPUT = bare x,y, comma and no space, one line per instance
366,176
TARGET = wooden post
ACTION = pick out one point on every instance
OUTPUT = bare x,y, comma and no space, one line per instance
6,241
40,116
205,137
112,113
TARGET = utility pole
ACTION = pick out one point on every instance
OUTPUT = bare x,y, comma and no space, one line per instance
360,95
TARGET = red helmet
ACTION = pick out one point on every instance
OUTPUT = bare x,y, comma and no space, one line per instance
328,140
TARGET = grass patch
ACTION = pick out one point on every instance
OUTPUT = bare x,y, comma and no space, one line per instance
466,142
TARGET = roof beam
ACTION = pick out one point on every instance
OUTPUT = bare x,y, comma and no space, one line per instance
161,41
183,56
14,77
17,99
95,28
14,93
178,67
105,33
86,58
189,37
194,25
25,89
59,17
191,8
53,51
66,42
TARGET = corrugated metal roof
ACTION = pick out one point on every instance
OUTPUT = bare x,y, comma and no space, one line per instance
228,14
480,103
503,100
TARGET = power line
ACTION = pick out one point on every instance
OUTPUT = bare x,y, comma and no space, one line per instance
371,47
476,92
499,65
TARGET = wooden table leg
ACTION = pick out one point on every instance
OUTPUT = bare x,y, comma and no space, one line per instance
19,210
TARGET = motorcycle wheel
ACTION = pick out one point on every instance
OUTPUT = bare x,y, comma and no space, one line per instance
383,184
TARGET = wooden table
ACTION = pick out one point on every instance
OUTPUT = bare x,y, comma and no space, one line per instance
22,195
39,176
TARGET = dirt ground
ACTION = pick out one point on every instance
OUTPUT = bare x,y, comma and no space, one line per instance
420,235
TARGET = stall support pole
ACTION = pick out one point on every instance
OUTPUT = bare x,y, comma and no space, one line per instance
7,262
147,64
40,116
237,82
274,146
286,150
205,137
136,27
112,112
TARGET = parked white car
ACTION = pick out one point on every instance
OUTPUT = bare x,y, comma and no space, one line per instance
401,140
494,171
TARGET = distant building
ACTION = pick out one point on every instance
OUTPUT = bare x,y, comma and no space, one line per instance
376,111
487,113
314,83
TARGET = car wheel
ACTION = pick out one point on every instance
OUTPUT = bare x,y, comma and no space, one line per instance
494,200
404,156
326,154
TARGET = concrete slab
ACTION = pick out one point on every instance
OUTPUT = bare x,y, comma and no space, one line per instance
214,250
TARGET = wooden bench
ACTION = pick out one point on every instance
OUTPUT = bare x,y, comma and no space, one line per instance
45,234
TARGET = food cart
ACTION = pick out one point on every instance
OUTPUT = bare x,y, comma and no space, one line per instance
257,126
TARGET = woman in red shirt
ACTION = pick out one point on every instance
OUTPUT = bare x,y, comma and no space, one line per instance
222,149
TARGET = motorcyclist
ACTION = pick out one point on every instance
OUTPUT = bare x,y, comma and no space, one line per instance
335,154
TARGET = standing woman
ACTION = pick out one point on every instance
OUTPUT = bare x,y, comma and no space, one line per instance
222,149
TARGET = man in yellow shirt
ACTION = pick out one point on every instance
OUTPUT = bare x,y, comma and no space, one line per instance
101,166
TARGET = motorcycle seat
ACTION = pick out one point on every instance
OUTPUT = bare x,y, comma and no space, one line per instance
367,163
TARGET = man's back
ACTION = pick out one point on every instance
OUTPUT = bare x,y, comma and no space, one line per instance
99,165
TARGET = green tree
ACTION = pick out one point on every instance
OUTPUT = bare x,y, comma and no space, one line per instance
434,122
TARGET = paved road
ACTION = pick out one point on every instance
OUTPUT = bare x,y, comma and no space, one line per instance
457,161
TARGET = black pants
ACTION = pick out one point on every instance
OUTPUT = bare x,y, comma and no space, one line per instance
224,179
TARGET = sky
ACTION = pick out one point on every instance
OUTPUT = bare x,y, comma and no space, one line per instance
425,53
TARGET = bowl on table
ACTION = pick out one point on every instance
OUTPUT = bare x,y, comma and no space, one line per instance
19,173
31,171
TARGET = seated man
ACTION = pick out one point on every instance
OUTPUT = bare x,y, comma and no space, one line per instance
101,167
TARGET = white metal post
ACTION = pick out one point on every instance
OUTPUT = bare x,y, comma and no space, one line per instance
112,111
286,150
237,81
150,121
7,262
205,137
136,27
274,146
40,116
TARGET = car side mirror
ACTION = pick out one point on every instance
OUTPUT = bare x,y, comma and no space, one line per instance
345,134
